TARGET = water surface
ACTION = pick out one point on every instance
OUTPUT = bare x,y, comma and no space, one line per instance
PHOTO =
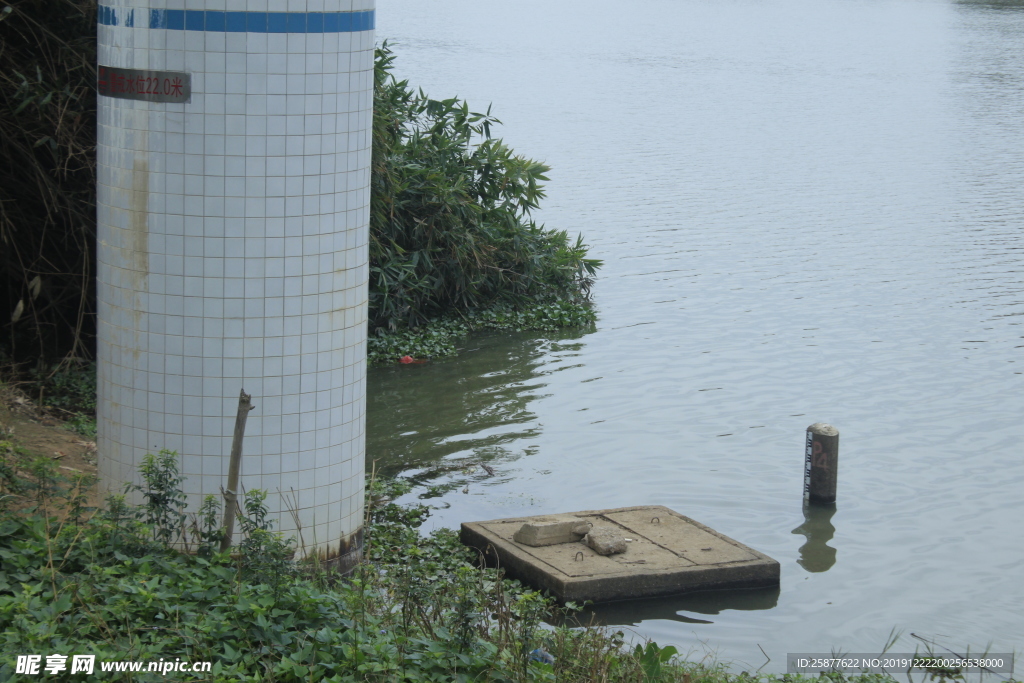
808,211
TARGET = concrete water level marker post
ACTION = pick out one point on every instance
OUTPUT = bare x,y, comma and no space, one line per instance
821,463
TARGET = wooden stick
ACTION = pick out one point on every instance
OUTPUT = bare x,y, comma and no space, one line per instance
231,492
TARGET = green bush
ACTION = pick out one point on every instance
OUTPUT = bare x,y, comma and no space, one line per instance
450,206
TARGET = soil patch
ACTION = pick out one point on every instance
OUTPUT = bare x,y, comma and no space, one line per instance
40,431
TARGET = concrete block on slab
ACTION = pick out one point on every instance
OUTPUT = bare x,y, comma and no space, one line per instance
605,541
550,530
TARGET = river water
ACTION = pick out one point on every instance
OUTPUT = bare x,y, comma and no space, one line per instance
809,211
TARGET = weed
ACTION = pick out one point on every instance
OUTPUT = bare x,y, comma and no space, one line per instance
164,511
266,556
69,386
652,659
84,425
206,528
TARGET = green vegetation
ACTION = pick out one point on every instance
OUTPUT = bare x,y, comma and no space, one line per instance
450,226
417,610
70,389
452,248
65,390
437,338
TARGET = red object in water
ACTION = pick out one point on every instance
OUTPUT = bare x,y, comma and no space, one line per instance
409,359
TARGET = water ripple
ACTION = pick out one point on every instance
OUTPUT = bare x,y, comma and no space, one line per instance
808,211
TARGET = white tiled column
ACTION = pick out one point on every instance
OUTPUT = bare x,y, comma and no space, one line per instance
233,234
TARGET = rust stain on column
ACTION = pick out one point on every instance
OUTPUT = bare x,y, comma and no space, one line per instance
138,240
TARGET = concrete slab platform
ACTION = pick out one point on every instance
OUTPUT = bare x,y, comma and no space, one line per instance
667,554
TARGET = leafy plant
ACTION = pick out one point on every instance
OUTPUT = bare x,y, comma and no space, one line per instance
29,483
266,556
653,658
69,386
84,425
165,502
12,484
450,226
206,527
120,530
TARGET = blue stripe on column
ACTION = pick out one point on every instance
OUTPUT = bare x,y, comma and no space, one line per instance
241,22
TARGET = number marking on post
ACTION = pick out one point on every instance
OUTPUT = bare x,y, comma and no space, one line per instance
808,452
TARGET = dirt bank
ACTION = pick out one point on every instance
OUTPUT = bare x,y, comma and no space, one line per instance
40,431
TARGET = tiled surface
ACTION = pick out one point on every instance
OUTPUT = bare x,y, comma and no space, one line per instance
233,254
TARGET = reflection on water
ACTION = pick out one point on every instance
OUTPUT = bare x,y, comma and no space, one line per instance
816,555
632,612
473,407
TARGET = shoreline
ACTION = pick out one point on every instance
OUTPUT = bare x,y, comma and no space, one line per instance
437,339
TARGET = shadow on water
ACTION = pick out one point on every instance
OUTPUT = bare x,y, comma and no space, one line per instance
816,555
632,612
433,421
